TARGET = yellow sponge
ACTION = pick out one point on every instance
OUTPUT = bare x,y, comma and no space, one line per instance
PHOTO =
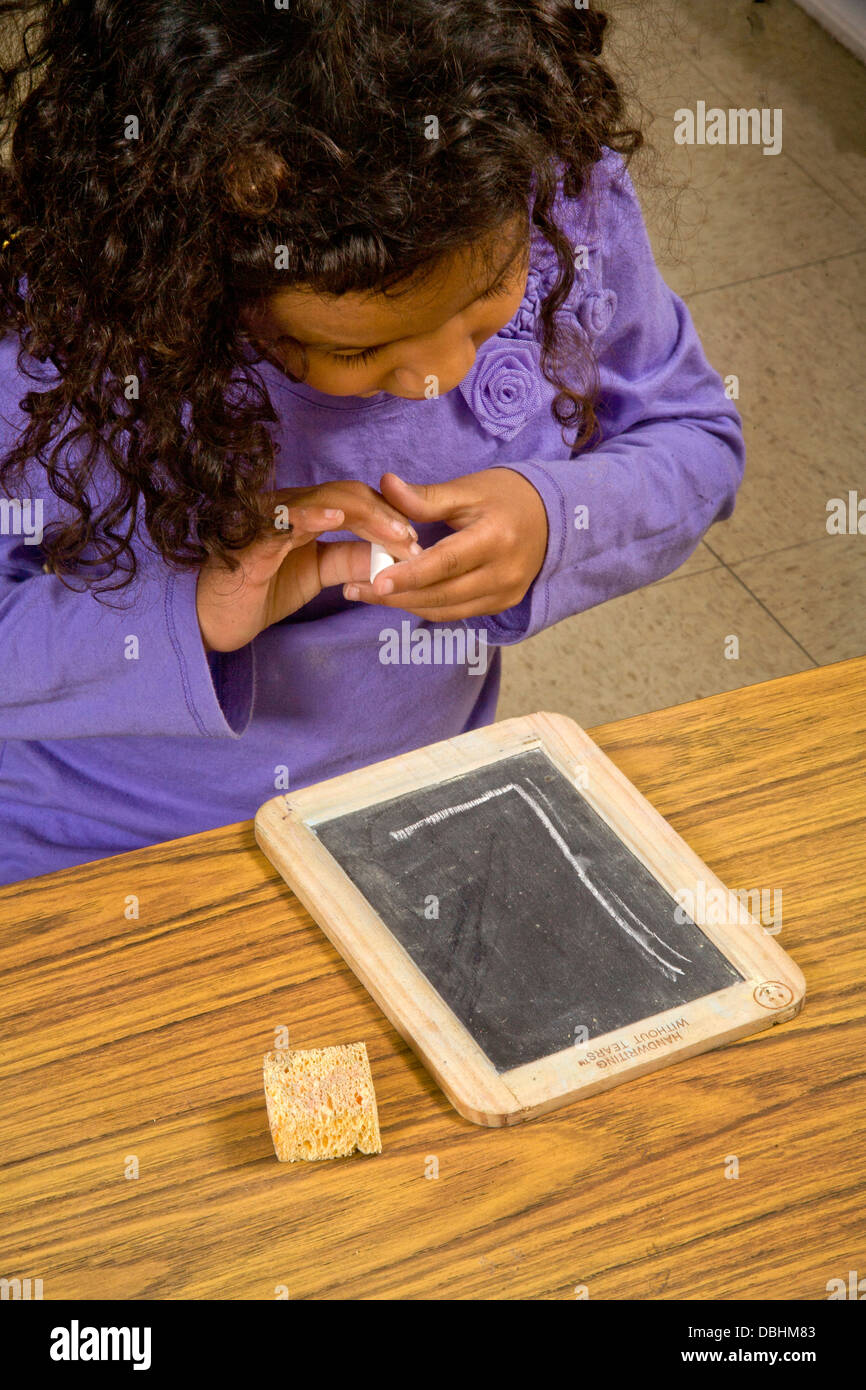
321,1103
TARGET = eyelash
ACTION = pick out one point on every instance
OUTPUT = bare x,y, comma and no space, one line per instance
357,359
503,287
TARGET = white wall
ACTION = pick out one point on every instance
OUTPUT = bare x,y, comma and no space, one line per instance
845,20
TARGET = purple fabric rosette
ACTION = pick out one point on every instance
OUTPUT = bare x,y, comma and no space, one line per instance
504,389
523,323
506,386
595,311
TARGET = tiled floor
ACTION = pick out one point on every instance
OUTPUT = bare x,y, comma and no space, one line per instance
770,255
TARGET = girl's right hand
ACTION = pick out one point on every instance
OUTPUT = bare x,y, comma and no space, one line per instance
279,574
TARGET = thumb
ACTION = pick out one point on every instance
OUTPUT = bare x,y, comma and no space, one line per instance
342,561
422,501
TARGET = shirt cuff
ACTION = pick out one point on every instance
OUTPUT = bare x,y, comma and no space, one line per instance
217,686
529,616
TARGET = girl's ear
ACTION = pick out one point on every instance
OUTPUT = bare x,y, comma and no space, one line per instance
254,180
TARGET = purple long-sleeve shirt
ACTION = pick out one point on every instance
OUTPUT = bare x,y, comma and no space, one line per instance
109,743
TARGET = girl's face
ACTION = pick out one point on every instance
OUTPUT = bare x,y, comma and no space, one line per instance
357,344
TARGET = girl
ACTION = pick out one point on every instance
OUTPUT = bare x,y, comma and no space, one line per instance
280,280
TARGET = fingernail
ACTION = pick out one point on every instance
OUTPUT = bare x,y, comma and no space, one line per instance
400,527
387,586
416,549
332,512
413,533
351,591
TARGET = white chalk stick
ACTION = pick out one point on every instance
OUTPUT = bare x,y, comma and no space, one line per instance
379,559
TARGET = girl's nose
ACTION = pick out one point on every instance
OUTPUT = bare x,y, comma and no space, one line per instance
447,365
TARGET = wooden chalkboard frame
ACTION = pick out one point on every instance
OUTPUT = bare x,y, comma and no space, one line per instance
772,990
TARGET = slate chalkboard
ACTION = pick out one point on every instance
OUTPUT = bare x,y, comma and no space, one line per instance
524,910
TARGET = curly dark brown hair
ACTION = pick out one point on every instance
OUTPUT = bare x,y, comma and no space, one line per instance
257,126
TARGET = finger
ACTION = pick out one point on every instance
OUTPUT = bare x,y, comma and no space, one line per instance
365,511
488,605
366,518
446,560
302,524
310,518
427,501
342,562
371,518
292,527
466,588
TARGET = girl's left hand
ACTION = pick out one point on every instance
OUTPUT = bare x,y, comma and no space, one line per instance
498,548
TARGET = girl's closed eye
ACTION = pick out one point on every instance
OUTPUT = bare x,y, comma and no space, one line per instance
502,287
355,359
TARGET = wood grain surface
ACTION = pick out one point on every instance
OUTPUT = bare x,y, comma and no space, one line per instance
143,1039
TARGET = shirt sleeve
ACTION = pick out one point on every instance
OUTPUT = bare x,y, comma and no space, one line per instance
133,662
631,509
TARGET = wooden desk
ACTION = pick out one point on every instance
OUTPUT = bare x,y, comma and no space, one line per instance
145,1037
